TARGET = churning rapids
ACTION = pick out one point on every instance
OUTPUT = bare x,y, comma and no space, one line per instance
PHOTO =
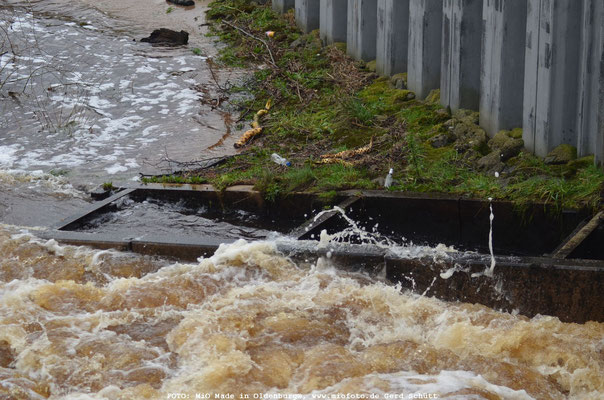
77,323
80,324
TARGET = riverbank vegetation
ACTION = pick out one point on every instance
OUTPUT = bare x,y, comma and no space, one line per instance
343,127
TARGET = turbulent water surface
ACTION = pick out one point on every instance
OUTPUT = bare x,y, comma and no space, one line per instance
84,102
78,324
247,323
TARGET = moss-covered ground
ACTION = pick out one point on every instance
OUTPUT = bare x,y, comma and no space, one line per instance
324,102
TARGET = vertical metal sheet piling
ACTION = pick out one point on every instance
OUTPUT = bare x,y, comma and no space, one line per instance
362,29
392,36
307,15
282,6
425,38
551,74
589,76
333,21
460,70
502,74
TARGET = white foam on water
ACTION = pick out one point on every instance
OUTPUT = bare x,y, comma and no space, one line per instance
249,315
8,155
114,169
39,179
411,385
101,97
145,69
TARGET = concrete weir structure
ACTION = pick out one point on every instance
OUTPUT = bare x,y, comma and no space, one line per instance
425,39
362,29
333,21
531,64
307,15
461,54
502,74
553,266
392,36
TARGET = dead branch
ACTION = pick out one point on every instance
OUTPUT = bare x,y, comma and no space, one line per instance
180,167
255,38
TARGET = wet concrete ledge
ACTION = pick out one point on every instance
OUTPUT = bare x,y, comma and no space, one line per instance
540,282
183,248
572,290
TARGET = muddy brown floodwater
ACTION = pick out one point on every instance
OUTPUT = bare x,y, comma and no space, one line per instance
77,323
80,324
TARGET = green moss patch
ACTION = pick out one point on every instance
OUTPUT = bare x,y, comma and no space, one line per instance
324,102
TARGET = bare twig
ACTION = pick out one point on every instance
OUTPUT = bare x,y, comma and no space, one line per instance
244,114
210,64
180,167
255,38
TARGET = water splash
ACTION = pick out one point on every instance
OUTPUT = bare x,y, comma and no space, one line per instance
400,247
354,233
489,272
491,218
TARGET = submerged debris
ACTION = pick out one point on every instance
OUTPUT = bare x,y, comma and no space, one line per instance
167,37
185,3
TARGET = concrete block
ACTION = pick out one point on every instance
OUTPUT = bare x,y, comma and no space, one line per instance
461,47
392,36
307,15
282,6
333,21
425,38
502,75
589,77
551,74
362,29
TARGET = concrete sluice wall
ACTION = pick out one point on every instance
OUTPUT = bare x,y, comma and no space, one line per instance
531,64
546,262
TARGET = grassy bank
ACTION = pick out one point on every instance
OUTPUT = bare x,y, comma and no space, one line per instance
343,127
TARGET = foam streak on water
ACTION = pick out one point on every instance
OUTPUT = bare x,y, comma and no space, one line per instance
78,323
92,102
82,104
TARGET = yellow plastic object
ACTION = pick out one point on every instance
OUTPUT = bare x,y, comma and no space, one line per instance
256,128
247,136
335,161
350,153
